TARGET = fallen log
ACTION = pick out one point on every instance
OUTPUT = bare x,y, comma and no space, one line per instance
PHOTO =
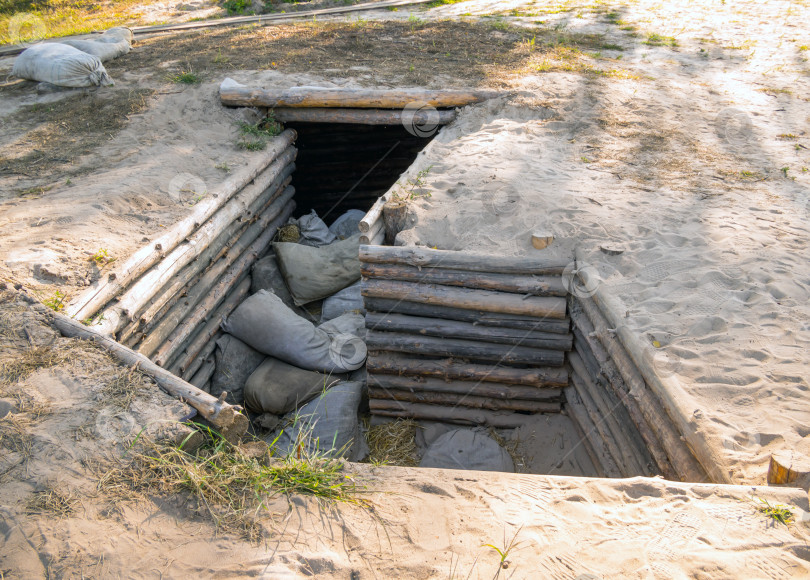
426,257
427,117
478,317
392,363
473,350
217,294
454,401
616,382
203,336
594,445
222,415
466,330
273,217
475,389
515,283
457,415
89,302
684,463
465,298
236,95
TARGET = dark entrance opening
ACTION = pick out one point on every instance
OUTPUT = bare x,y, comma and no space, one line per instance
347,166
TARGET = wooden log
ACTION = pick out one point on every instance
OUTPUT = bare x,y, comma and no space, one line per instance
391,363
194,365
473,350
203,376
581,440
421,117
422,257
395,212
378,239
684,463
372,216
90,301
788,467
616,382
218,293
457,415
476,316
598,421
588,433
236,95
466,298
622,440
170,291
475,389
456,401
203,336
465,330
372,232
515,283
272,218
134,299
221,414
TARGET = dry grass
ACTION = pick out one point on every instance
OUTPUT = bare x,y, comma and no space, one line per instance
511,447
52,502
393,443
125,385
14,435
23,365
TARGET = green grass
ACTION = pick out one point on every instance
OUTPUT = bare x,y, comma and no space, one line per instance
778,513
188,77
255,137
654,39
437,3
236,6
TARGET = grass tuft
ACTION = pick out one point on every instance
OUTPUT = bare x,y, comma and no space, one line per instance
52,502
393,443
186,77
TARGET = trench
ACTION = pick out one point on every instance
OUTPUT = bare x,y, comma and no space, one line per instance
558,394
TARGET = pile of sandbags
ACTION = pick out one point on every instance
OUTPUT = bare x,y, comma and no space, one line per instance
73,63
288,372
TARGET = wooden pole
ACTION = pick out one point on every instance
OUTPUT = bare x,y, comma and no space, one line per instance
466,330
236,95
363,116
516,283
94,298
454,401
473,350
204,374
478,317
221,414
376,228
193,364
459,415
684,463
421,257
392,363
241,267
590,436
273,217
475,389
373,216
466,298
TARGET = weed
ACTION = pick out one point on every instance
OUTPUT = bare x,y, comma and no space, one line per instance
804,47
779,513
437,3
68,182
505,551
223,167
188,77
499,25
654,39
414,21
236,6
251,144
102,258
56,302
413,188
787,137
784,170
255,137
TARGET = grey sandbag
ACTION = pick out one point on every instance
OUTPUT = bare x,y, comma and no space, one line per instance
347,300
347,224
235,362
315,273
111,44
349,323
467,449
313,230
277,387
60,65
327,425
265,323
266,275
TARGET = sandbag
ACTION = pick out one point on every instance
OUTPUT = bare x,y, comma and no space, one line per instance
467,449
349,323
60,65
346,225
266,275
265,323
347,300
315,273
313,230
111,44
235,362
277,387
327,425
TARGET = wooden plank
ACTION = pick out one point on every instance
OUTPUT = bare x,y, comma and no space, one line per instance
426,117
